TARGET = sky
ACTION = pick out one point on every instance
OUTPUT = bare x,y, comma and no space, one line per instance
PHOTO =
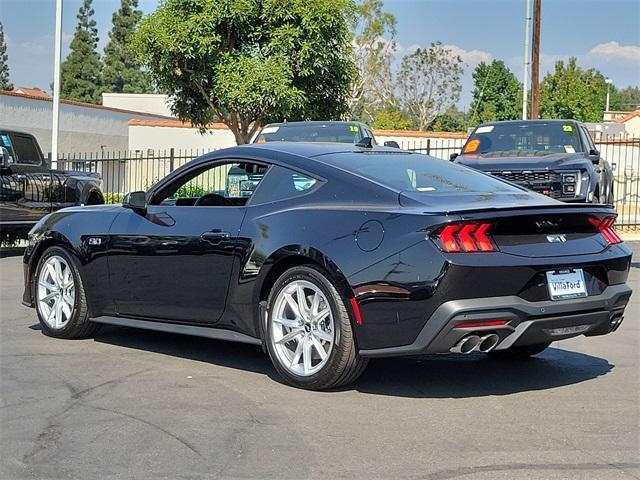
604,34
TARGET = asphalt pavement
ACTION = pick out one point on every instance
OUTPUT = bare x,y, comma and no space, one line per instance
133,404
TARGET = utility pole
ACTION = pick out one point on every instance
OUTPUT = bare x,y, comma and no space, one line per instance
56,86
527,59
608,82
535,62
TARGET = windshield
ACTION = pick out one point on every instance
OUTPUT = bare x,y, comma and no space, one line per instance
517,139
417,173
341,133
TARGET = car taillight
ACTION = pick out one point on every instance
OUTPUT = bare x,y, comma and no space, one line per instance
465,237
605,227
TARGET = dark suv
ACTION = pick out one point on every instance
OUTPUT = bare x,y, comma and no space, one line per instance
553,157
30,189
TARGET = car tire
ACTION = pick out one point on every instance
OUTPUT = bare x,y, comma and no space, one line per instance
296,331
523,351
59,296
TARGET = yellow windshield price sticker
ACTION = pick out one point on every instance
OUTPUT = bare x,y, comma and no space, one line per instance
567,128
353,128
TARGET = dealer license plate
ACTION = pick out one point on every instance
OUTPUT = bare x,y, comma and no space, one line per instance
564,284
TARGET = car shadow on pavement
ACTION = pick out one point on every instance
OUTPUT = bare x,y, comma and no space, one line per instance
476,375
429,376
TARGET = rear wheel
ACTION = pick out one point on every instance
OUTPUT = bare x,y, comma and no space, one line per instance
60,297
523,351
309,335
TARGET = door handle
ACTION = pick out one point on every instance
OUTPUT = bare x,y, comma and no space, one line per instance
215,236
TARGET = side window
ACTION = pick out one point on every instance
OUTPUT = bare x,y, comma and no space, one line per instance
221,185
281,183
5,143
586,138
26,150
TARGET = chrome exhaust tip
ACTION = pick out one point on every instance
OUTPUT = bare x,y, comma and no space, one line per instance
466,345
488,342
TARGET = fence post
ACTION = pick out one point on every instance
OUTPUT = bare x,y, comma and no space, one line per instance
428,146
171,159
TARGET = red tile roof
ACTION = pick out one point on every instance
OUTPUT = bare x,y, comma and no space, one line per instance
629,116
30,92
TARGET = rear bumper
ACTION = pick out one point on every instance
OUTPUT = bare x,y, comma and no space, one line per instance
528,322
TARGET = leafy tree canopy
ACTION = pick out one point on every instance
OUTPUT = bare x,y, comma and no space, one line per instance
374,40
5,83
247,62
453,120
496,94
429,82
392,118
626,99
571,92
80,72
121,73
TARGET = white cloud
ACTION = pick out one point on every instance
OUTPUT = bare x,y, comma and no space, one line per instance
614,51
470,57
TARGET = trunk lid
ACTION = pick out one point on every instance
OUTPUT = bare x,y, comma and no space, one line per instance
542,232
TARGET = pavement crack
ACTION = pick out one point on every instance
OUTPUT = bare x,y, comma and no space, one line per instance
147,422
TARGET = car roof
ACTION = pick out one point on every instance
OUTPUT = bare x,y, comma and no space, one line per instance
520,122
315,122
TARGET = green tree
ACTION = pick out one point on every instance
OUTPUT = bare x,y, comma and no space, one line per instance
429,83
392,118
374,40
121,73
5,84
453,120
626,99
252,61
496,93
571,92
80,72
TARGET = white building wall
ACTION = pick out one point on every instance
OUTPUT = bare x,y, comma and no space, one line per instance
138,102
143,138
82,128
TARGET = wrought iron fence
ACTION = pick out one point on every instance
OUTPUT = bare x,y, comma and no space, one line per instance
137,170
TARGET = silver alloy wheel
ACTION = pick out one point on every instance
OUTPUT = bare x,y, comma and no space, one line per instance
56,292
302,328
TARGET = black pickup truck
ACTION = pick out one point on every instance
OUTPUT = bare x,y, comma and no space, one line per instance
30,189
554,157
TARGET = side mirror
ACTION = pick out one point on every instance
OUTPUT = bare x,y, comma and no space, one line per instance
595,155
391,143
136,201
453,156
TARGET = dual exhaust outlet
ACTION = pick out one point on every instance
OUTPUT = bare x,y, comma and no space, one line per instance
471,343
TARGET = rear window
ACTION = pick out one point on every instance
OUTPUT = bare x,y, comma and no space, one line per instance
417,173
26,149
340,133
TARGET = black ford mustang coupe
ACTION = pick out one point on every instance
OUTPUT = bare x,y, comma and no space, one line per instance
329,254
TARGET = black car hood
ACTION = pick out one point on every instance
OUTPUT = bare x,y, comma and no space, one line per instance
552,161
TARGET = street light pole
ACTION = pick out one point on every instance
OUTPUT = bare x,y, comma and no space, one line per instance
609,82
56,86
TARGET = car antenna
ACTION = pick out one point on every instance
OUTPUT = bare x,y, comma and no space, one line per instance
366,142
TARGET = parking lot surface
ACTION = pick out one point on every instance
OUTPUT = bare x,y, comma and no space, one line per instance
139,404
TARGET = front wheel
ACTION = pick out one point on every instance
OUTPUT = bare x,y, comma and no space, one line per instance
309,335
60,297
